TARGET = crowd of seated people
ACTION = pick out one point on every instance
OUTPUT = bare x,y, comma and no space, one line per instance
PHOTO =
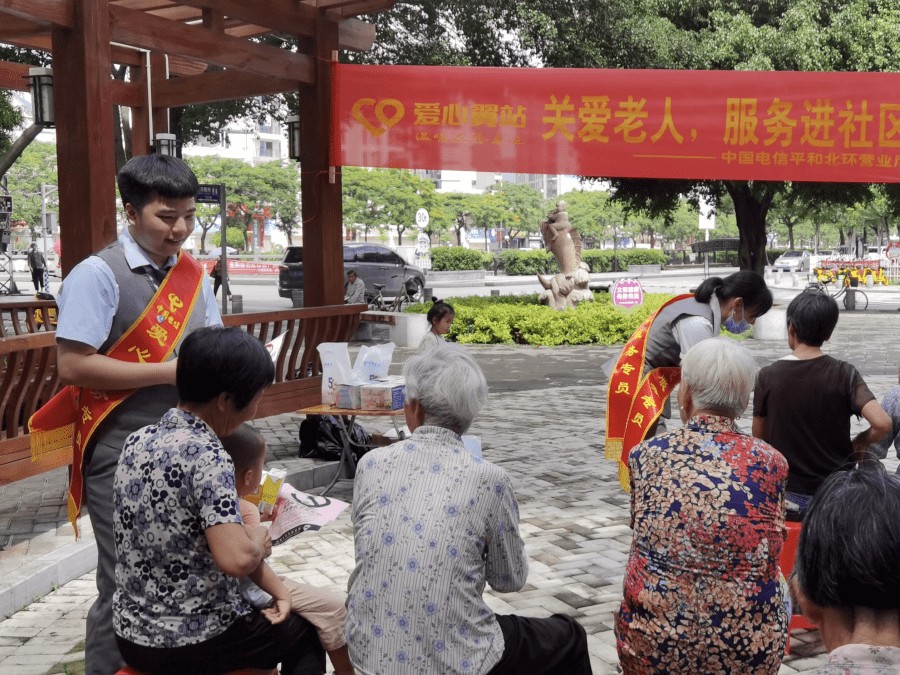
435,523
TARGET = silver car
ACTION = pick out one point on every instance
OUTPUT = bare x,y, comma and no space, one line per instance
793,261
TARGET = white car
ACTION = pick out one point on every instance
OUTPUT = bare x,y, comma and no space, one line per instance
793,261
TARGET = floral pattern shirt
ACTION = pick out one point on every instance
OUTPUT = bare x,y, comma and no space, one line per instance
862,660
702,591
173,481
431,524
891,405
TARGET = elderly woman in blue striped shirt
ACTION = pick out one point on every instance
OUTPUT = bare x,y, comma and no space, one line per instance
432,524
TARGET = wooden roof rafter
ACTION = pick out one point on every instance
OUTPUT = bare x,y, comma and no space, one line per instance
169,27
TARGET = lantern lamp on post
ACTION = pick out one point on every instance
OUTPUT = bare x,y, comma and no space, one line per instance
293,125
164,144
42,96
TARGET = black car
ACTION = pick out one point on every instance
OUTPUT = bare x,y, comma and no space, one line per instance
374,264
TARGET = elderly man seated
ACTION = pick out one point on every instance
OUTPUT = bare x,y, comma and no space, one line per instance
432,524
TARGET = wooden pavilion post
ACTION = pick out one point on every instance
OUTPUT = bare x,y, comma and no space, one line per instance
84,132
321,205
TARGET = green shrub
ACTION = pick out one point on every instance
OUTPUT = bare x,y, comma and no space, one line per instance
528,262
540,261
457,258
521,320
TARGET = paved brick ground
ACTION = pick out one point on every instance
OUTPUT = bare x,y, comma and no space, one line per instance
544,424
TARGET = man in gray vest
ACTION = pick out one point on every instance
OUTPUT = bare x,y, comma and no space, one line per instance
100,302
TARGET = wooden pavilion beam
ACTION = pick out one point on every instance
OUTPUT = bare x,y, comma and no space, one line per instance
222,85
290,16
150,32
45,12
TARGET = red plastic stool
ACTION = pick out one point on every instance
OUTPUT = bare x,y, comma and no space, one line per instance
246,671
788,556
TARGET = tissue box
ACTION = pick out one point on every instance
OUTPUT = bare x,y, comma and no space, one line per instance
348,395
269,485
378,395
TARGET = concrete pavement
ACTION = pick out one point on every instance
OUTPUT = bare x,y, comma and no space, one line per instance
543,423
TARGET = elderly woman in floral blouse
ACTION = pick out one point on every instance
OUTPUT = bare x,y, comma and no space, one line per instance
432,523
703,590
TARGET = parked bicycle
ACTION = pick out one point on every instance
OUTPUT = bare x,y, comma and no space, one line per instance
840,291
378,303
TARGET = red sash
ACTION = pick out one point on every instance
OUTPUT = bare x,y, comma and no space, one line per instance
633,402
72,416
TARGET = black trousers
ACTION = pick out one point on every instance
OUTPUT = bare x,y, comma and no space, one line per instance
250,642
37,278
553,646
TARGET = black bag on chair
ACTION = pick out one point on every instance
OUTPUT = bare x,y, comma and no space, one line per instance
320,438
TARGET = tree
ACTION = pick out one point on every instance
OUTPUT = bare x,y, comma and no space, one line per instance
36,165
460,205
525,204
854,35
234,235
253,192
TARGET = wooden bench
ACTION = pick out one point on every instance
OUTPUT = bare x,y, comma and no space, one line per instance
29,316
298,383
30,377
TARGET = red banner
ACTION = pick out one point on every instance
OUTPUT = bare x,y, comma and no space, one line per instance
242,267
837,127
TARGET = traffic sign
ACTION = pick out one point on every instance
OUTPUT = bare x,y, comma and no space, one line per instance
5,203
209,194
422,218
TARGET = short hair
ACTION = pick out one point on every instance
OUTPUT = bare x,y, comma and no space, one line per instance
245,446
216,360
146,177
747,285
720,374
813,316
449,384
353,272
848,554
438,311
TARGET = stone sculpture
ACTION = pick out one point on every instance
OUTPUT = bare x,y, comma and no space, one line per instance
570,286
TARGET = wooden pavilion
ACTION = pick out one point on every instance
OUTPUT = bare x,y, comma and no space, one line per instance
181,53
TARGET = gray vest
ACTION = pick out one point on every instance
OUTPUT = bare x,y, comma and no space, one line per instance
136,289
662,348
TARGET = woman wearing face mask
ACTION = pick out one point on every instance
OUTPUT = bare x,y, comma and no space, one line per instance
734,303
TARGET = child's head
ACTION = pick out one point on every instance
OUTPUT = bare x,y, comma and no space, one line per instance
247,448
440,317
812,316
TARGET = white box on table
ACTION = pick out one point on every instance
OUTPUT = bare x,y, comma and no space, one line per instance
381,395
348,395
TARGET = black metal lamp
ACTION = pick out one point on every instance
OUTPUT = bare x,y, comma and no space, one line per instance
164,144
42,96
293,125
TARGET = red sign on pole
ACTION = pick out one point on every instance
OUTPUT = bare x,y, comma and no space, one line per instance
777,125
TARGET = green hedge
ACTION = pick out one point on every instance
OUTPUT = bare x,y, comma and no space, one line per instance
526,262
521,320
457,258
602,260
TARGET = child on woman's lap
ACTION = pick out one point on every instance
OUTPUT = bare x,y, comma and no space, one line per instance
323,609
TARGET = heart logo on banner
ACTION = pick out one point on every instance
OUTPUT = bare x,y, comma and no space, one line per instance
377,130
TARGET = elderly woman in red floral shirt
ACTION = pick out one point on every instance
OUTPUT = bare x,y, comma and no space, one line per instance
703,590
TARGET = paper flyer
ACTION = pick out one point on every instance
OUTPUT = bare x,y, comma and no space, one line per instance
297,512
